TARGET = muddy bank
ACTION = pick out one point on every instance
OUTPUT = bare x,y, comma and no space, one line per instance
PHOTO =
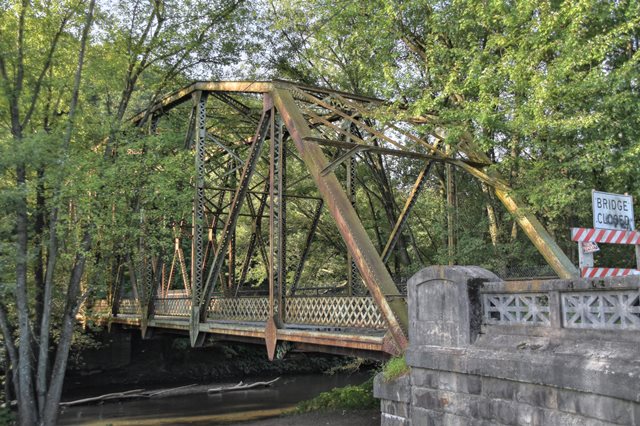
321,418
125,359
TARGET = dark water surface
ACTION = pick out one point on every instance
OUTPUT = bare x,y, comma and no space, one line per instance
207,409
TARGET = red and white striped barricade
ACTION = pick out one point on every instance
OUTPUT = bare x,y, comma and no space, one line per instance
607,236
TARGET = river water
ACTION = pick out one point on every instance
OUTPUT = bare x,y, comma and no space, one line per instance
221,408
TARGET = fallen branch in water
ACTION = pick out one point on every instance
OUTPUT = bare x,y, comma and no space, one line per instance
180,390
242,386
106,397
171,390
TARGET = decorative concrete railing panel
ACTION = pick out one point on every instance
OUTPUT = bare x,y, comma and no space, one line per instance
526,308
612,310
600,305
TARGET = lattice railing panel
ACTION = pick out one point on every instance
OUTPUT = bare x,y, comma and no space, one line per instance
239,308
173,306
615,310
523,308
361,312
128,307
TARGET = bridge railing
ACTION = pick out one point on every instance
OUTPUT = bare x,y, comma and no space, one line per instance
339,311
128,307
607,305
330,311
254,308
172,306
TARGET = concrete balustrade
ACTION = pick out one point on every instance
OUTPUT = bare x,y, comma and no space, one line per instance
486,352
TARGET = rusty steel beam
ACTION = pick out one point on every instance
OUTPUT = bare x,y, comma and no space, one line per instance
169,280
197,254
535,231
331,92
406,211
277,222
199,311
286,194
237,105
372,270
253,239
342,158
352,277
390,151
182,95
334,350
307,248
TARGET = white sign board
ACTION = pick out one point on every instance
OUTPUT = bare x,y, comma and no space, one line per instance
590,247
612,211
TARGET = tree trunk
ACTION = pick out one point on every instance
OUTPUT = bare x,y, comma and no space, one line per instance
43,355
451,213
38,230
27,405
11,351
494,231
50,412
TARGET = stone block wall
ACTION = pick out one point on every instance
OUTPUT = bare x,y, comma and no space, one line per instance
395,398
484,352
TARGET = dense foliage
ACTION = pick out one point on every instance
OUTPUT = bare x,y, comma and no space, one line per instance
548,91
352,397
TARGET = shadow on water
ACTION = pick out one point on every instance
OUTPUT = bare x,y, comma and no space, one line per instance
210,409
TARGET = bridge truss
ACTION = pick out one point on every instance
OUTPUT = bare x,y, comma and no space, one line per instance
244,136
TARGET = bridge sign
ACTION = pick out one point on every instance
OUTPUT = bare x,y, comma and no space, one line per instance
612,211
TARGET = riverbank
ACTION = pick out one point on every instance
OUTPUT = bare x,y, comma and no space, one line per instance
124,359
267,417
168,362
368,417
219,408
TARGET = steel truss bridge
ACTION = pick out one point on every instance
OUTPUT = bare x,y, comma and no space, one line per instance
243,137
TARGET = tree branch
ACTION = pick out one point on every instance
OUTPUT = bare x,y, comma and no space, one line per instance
43,359
47,64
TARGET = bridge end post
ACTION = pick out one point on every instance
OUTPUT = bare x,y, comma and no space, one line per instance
444,305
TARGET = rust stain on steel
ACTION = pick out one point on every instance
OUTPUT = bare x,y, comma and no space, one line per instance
126,321
337,340
360,353
239,331
180,95
389,345
362,250
271,337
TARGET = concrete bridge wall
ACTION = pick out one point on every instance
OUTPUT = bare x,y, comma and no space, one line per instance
485,352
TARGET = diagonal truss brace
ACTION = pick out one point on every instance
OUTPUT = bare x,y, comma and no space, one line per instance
406,211
362,250
199,310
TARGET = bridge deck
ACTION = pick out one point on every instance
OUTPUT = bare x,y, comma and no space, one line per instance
354,337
